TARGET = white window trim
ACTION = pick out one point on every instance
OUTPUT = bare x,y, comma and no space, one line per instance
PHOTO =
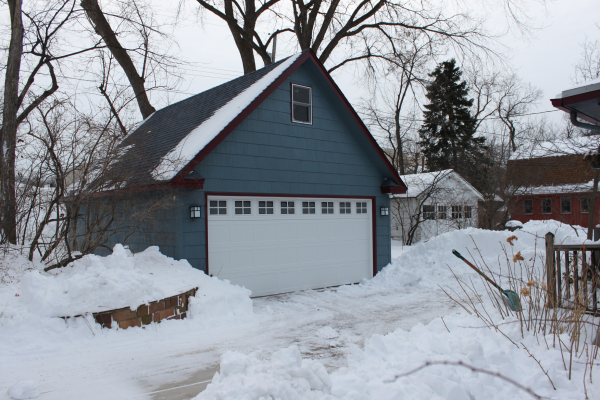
310,105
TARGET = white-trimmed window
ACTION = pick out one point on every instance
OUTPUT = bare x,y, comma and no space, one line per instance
442,212
217,207
301,104
456,212
243,207
265,207
345,207
327,207
467,211
565,205
528,206
546,206
361,207
308,207
585,204
428,211
287,207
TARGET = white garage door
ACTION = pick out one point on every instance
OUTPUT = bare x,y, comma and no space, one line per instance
279,244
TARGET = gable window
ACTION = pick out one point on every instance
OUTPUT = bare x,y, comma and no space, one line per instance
287,207
442,212
565,205
242,207
585,204
217,207
265,207
301,104
528,206
456,212
361,207
327,207
546,206
467,210
345,207
308,207
428,212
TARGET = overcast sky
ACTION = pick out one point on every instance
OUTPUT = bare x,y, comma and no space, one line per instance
546,59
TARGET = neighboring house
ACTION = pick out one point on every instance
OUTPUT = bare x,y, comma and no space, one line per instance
280,185
551,180
435,203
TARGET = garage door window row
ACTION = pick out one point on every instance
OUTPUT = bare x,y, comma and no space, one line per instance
266,207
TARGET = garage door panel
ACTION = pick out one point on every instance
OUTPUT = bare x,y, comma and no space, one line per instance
279,253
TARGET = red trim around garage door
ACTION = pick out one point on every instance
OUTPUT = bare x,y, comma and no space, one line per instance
373,215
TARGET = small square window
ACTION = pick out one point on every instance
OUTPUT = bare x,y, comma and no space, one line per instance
456,212
546,206
565,205
345,207
301,104
528,206
265,207
442,212
467,211
243,207
217,207
585,204
428,212
361,207
287,207
327,207
308,207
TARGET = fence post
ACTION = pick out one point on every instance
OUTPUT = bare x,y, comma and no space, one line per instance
550,270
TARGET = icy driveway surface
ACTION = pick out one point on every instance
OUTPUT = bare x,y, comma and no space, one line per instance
323,323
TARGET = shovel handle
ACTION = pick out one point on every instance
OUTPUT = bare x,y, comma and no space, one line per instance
457,254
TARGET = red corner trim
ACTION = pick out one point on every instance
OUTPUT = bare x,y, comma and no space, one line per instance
244,114
563,103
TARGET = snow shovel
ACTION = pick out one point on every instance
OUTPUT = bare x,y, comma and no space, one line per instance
512,298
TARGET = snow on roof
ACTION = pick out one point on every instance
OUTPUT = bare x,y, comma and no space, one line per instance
557,189
556,148
584,87
418,183
204,133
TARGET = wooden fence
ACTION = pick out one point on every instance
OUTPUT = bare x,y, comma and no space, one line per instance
572,275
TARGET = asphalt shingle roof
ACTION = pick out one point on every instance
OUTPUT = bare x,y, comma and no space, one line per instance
146,146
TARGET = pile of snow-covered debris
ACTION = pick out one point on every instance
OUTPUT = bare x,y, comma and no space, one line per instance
31,299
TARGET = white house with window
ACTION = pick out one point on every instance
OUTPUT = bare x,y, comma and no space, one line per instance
435,203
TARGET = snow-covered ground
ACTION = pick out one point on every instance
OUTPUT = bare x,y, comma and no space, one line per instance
347,342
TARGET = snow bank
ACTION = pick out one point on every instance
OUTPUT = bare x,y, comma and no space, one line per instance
30,302
372,372
425,266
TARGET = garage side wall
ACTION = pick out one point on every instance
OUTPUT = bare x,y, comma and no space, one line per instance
269,154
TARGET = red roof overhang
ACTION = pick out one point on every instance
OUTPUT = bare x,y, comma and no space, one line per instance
580,103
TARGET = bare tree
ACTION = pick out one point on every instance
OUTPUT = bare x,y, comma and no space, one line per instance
135,38
362,30
36,42
588,68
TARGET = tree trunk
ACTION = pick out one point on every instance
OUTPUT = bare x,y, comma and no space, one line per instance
8,132
103,28
592,206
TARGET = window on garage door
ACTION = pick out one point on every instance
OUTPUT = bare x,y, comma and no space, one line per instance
345,207
287,207
243,207
217,207
265,207
361,207
308,207
327,207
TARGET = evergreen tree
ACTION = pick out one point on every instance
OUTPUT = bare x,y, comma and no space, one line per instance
447,134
